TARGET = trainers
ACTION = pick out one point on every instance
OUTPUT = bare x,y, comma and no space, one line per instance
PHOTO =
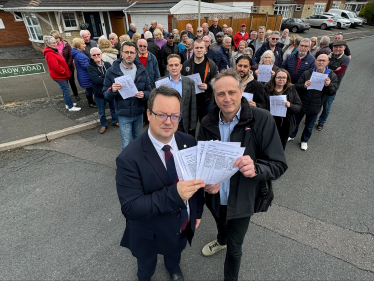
212,248
290,139
319,127
74,108
304,146
74,104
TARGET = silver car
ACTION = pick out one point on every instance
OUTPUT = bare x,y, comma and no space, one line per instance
340,21
324,21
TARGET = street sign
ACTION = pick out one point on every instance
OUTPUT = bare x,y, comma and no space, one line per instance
21,70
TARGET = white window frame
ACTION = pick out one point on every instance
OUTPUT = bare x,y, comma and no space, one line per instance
318,9
16,17
76,21
348,7
254,9
298,8
33,27
285,11
336,5
2,26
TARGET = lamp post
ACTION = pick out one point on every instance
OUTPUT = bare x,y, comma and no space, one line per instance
198,22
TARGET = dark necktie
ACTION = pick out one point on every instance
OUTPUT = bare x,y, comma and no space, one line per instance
188,55
170,167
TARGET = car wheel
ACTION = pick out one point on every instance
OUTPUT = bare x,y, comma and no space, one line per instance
323,26
295,29
339,25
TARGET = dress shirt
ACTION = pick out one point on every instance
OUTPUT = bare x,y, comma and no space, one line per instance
177,85
174,149
225,129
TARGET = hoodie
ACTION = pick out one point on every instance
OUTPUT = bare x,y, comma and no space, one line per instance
57,66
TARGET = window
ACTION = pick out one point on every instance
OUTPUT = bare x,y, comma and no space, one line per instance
298,8
17,16
33,27
282,10
2,26
70,21
335,5
318,9
347,7
254,9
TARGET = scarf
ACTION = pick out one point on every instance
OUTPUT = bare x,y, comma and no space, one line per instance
249,79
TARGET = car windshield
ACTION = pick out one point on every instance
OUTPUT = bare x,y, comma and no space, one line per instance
351,15
337,16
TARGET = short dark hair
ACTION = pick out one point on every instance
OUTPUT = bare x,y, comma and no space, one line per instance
173,56
165,91
126,43
184,32
244,57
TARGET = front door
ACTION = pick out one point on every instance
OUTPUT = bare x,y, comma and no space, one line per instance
94,24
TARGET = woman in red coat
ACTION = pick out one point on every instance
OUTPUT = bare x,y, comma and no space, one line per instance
64,49
58,70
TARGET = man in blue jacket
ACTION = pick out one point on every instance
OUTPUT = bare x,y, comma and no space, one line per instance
297,63
223,54
129,110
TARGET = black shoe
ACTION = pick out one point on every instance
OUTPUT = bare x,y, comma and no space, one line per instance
77,97
177,276
319,127
92,105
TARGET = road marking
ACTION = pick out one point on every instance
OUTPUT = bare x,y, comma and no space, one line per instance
353,247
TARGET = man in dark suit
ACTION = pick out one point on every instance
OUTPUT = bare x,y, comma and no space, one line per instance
186,88
187,53
161,212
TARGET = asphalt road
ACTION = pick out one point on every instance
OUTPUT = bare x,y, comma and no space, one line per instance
61,217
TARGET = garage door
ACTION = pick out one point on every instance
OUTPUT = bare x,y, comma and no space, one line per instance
141,19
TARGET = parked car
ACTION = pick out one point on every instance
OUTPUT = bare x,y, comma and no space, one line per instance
294,25
324,21
340,21
364,20
347,15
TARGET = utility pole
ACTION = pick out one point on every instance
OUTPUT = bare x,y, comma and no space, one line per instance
198,22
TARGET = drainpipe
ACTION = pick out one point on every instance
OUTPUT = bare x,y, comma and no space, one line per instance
127,22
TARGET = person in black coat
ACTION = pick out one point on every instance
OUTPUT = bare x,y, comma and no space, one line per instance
162,213
153,48
272,45
312,100
167,49
96,70
280,84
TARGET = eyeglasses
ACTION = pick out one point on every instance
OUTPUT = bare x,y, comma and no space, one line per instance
199,31
54,42
163,117
339,33
128,52
143,46
276,39
281,78
322,60
94,55
304,46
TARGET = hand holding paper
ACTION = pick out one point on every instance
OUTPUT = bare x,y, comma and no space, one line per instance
317,81
128,89
197,79
246,166
212,189
188,188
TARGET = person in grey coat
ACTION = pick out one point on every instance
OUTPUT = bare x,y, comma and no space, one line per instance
186,88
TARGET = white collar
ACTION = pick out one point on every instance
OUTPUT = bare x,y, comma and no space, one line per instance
159,145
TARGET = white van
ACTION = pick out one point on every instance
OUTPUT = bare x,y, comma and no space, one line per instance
348,15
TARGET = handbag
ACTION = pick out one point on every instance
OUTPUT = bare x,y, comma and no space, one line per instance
264,197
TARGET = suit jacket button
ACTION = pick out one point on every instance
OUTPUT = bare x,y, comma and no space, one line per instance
178,215
177,233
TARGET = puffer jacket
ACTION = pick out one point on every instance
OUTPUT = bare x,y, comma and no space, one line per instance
223,58
267,154
97,75
57,66
109,55
313,99
81,63
296,66
130,106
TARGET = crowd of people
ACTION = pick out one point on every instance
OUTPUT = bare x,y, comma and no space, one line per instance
228,65
212,49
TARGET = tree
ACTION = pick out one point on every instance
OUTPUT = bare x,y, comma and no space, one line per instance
368,11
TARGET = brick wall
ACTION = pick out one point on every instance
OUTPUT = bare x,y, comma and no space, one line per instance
15,33
265,9
170,22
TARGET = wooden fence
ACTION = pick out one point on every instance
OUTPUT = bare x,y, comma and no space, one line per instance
272,22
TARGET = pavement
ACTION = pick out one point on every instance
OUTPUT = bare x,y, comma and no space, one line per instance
61,219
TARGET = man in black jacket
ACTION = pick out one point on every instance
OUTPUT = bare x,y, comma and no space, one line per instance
232,203
153,47
312,99
167,49
208,52
272,45
250,85
207,69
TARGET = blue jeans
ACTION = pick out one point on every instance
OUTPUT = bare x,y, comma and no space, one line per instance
130,127
64,85
101,103
326,109
309,124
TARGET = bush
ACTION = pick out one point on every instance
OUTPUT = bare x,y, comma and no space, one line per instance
368,11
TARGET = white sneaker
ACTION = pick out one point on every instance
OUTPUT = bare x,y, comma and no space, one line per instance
290,139
74,104
304,146
75,108
212,248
